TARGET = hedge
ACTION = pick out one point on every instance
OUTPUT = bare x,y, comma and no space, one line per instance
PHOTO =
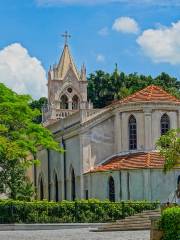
170,223
69,212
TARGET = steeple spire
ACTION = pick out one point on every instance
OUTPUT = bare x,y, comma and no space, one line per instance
66,61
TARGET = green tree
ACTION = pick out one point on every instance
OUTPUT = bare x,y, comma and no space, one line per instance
39,104
169,146
20,138
103,88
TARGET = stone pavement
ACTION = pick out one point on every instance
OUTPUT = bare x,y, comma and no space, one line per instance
73,234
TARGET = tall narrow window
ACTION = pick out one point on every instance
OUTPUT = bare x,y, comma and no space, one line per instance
178,181
41,189
73,186
165,124
132,133
75,102
56,188
64,102
1,188
111,189
86,195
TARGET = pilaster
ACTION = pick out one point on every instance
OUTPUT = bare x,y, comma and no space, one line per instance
118,132
178,119
85,156
147,184
147,129
70,105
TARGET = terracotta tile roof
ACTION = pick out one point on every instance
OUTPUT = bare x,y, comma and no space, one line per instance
151,93
132,161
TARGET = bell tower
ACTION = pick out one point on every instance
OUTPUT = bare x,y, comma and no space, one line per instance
67,87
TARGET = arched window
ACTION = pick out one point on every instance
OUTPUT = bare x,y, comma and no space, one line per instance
111,190
64,102
56,188
73,185
75,102
165,124
132,133
178,181
41,189
1,188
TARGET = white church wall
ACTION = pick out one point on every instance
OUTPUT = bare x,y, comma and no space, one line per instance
99,187
56,167
144,184
162,185
73,161
85,151
136,185
102,141
42,171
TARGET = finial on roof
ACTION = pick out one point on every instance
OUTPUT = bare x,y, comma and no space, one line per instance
66,36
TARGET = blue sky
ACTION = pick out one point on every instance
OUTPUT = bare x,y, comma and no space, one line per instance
143,39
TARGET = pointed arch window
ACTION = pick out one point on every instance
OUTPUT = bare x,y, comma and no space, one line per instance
56,188
111,189
73,185
132,133
41,189
178,181
75,102
165,124
64,102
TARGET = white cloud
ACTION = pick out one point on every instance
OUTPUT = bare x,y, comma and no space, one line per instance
100,58
93,2
162,44
103,31
21,72
125,25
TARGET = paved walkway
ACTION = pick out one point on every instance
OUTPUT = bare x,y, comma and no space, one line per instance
73,234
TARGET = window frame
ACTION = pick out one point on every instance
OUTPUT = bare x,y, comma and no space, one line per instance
164,124
132,133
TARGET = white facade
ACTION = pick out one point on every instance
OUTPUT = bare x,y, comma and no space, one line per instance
93,136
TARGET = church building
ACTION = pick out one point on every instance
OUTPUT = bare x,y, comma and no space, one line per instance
110,153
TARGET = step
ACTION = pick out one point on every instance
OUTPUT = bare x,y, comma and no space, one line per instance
135,218
128,228
140,221
129,222
125,224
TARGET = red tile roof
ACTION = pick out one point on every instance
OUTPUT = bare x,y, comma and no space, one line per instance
132,161
151,93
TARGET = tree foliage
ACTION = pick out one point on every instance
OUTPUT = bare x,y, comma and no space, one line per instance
20,138
39,104
104,87
169,146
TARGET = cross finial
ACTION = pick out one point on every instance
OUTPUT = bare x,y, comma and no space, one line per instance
66,36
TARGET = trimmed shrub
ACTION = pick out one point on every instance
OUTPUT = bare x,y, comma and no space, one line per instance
170,223
68,212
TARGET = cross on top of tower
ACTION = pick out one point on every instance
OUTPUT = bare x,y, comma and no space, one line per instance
66,36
